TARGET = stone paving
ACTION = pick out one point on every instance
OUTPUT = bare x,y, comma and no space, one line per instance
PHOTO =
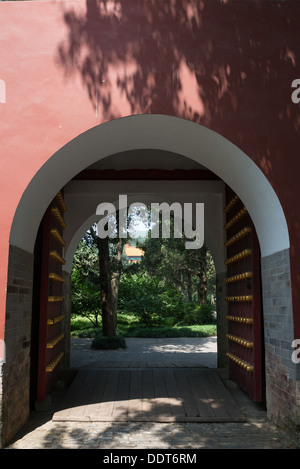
197,351
256,433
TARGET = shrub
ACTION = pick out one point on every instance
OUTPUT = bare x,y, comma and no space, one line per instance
84,333
108,343
170,332
147,298
198,314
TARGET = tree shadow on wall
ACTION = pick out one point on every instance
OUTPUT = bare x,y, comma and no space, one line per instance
138,56
216,62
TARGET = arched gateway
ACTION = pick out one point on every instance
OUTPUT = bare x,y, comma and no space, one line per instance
226,170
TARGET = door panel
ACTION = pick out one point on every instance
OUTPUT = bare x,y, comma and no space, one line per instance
244,298
51,298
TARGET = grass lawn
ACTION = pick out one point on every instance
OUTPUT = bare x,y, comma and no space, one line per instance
129,326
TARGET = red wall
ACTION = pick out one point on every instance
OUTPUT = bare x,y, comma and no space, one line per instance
228,65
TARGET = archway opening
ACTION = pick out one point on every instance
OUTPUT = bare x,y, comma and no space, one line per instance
161,133
146,176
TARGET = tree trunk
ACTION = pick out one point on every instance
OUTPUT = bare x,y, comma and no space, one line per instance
202,286
115,277
202,291
189,287
110,274
109,320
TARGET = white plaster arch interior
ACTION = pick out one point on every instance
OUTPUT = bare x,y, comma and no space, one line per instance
159,132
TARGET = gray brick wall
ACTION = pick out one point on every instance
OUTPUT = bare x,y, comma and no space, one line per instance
281,373
16,367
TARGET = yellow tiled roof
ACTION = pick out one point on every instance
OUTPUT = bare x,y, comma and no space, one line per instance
133,251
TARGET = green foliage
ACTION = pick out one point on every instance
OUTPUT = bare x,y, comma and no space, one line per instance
147,298
190,272
88,332
85,293
198,314
153,294
108,343
169,332
79,323
126,319
130,326
81,327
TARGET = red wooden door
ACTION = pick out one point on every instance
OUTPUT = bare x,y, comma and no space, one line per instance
50,348
244,299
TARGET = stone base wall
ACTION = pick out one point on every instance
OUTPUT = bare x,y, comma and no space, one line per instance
16,366
282,374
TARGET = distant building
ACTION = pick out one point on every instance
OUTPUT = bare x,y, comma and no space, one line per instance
133,253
